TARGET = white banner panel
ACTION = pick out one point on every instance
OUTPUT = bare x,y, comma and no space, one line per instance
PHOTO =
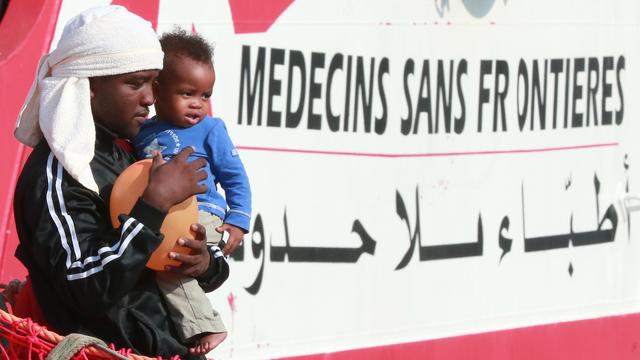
424,169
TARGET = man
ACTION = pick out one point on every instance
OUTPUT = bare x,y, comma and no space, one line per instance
89,278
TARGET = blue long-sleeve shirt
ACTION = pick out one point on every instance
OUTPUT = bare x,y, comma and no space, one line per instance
211,141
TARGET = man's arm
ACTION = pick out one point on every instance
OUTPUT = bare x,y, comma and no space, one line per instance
90,264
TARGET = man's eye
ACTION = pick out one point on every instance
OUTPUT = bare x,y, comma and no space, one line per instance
136,84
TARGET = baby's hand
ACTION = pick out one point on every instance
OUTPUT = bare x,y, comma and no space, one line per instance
235,237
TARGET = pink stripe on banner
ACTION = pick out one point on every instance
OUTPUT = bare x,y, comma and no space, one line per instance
608,338
435,154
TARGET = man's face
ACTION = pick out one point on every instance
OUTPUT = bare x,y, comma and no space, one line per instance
121,102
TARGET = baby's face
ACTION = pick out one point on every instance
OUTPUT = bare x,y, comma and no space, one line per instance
184,92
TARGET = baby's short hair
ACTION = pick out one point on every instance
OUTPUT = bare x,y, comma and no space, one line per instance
179,43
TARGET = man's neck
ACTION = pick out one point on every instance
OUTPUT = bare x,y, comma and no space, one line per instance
104,134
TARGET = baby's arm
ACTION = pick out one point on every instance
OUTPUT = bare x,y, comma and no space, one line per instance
229,171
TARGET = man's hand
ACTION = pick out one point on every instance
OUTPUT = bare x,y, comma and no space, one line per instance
235,237
171,182
197,263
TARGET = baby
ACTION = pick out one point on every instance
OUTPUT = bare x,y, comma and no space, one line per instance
183,92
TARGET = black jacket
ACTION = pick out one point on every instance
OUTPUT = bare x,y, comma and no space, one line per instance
88,277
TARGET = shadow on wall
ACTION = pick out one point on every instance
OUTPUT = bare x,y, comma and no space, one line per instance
3,8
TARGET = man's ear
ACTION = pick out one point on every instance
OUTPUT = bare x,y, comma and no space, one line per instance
156,90
91,85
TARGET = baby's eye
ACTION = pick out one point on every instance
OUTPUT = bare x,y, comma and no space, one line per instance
186,93
206,96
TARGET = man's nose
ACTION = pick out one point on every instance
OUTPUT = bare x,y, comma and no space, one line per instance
147,97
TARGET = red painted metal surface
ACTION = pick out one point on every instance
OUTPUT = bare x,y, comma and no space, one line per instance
26,31
145,9
256,16
615,337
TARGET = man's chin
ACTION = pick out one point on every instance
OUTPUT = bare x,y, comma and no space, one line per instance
132,135
129,134
134,130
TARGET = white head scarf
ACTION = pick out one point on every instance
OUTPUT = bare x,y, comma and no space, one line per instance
107,40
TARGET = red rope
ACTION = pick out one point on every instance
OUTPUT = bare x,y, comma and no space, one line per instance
28,340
